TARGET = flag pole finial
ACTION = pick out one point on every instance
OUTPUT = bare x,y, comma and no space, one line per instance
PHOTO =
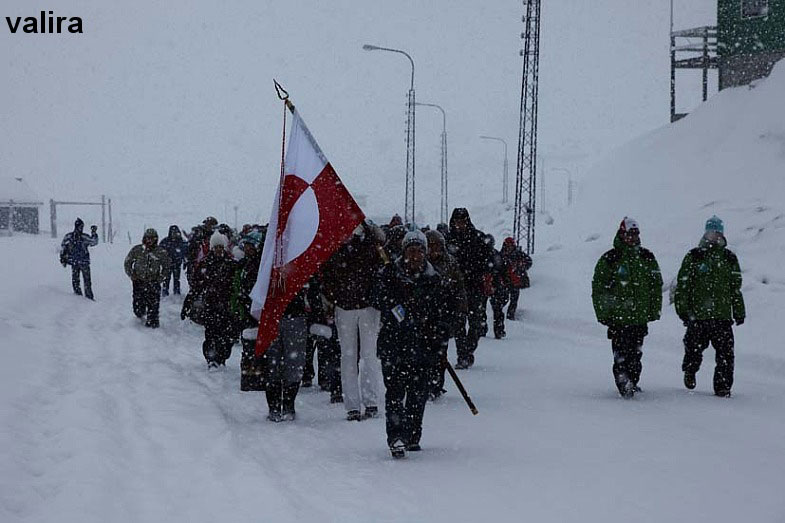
283,94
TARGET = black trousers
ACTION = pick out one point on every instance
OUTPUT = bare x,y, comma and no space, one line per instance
498,301
439,367
329,361
252,369
466,340
174,275
218,341
406,384
697,338
627,345
513,308
146,299
88,286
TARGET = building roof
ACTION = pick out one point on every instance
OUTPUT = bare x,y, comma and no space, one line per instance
16,189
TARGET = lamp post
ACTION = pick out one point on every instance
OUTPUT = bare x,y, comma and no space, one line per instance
505,198
410,178
443,208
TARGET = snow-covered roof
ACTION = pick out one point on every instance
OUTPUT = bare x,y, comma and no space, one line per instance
16,189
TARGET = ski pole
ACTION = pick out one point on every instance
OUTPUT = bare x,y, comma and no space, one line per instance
461,388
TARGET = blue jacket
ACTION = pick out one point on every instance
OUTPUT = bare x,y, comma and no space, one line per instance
73,249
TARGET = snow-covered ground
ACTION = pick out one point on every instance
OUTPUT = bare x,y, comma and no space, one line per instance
104,420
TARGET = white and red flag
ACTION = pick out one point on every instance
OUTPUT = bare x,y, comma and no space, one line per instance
313,213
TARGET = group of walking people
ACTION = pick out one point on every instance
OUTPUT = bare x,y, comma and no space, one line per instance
383,308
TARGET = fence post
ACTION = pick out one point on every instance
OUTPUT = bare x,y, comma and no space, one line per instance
111,232
53,217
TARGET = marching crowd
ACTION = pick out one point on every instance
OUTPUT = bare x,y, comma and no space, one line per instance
383,308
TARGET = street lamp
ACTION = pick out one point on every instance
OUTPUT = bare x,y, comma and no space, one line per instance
443,206
505,168
410,178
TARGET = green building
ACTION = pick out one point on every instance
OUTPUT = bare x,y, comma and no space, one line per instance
750,39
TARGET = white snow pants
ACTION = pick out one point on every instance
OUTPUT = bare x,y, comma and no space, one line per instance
360,383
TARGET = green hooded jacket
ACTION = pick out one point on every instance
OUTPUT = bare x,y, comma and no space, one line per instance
627,286
709,284
146,265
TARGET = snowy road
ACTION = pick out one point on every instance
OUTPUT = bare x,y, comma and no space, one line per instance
104,420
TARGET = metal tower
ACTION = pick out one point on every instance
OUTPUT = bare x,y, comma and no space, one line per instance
526,173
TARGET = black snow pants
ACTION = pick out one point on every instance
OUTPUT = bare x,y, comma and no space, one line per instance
328,353
697,338
174,275
146,299
88,286
466,340
252,368
498,301
406,384
627,345
439,367
513,308
218,341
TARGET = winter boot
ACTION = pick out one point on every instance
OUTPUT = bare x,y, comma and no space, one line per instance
628,390
413,447
722,393
371,412
273,394
287,407
689,380
398,449
353,415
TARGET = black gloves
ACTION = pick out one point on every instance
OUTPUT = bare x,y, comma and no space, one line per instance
739,321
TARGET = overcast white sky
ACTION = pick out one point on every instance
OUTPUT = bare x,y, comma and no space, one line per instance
176,97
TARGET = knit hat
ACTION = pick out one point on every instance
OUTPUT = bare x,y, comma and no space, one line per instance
715,224
415,238
219,239
150,233
628,224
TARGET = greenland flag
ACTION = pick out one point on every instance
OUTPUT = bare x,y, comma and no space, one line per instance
312,215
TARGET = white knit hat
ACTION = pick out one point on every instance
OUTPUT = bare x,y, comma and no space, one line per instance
415,237
219,239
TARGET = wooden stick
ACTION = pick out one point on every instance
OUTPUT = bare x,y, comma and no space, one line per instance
461,388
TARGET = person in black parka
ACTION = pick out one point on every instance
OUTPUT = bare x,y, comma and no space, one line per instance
475,259
409,295
213,282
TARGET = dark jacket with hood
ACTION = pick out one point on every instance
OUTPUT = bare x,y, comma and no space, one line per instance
456,305
213,282
73,249
709,284
147,265
175,246
411,336
348,274
470,249
627,286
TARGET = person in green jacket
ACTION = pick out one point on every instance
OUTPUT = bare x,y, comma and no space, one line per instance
147,265
627,295
708,300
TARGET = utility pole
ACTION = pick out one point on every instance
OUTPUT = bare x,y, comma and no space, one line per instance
409,211
443,207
